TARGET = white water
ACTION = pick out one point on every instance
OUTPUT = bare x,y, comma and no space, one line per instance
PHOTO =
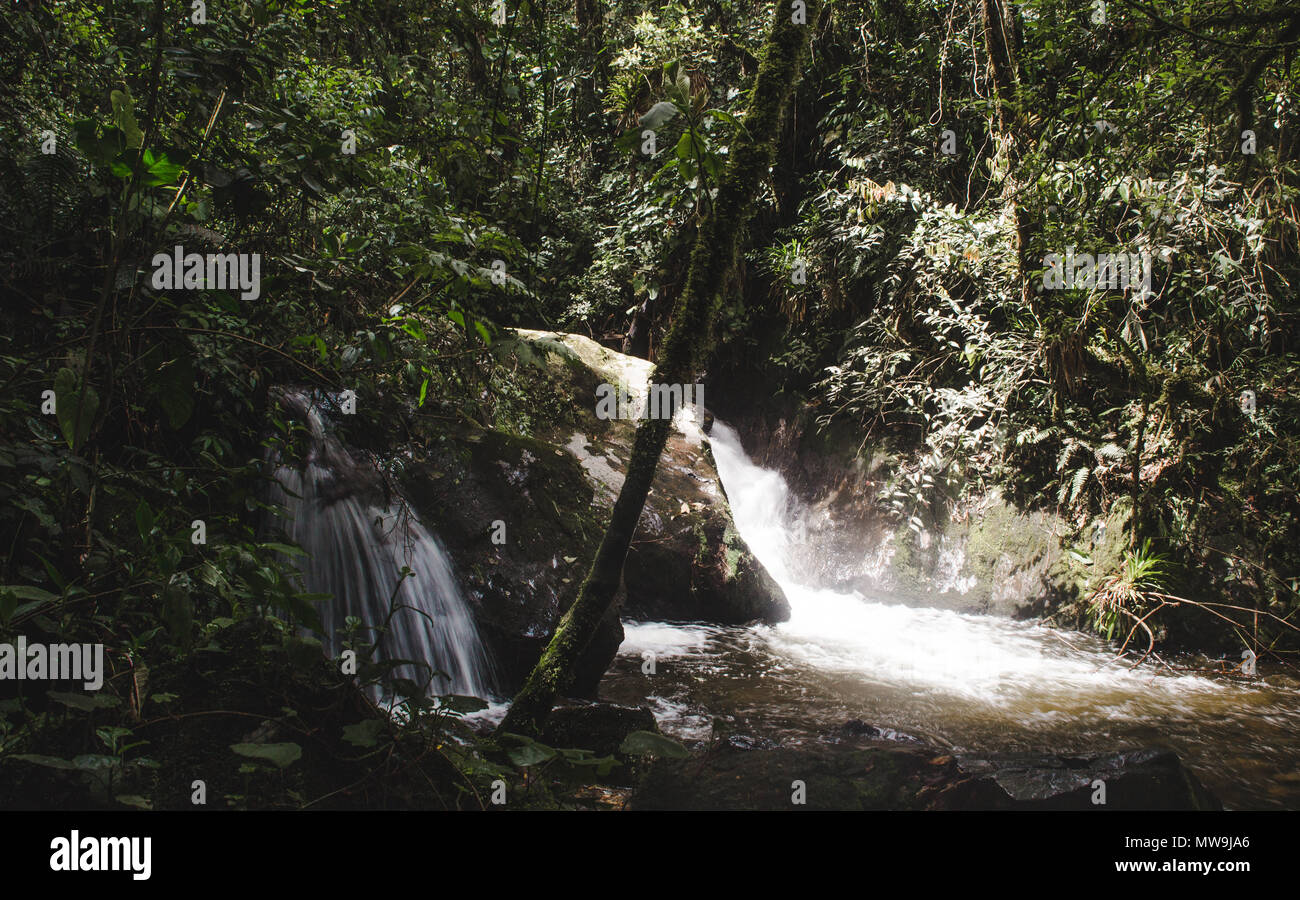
990,659
357,549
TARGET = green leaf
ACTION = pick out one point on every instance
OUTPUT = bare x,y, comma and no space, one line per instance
363,734
286,549
161,170
27,592
135,800
726,117
648,743
67,393
526,752
124,118
95,762
10,594
175,389
280,755
85,702
530,754
144,520
50,762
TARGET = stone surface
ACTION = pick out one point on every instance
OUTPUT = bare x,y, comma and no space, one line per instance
868,773
598,727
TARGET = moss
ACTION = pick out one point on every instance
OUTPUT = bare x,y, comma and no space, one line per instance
703,537
735,553
905,564
1001,532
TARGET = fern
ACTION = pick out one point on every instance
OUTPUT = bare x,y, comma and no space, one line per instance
1080,479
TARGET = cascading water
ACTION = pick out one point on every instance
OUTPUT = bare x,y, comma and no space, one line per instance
990,658
358,546
973,683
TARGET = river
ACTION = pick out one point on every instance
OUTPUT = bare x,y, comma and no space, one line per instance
976,684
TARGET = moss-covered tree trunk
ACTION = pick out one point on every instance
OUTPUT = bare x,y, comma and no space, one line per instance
714,253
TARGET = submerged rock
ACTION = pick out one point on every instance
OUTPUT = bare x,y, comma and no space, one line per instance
1132,779
873,774
598,727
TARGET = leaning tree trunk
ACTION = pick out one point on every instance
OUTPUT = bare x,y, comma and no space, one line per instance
714,253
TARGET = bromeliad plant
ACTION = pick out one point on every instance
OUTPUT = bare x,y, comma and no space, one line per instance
1134,593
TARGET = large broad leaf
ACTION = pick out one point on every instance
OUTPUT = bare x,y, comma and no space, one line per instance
526,751
159,170
647,743
363,734
85,702
124,118
280,755
175,386
67,394
50,762
658,115
10,594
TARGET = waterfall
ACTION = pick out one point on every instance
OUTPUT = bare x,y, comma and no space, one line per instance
358,544
994,660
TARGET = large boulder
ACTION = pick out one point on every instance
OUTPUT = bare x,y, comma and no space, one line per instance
1130,779
687,560
598,727
868,773
516,516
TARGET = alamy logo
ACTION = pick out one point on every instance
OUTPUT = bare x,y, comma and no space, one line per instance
179,270
53,662
662,401
105,854
1105,271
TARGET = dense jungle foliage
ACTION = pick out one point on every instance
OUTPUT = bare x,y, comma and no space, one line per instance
418,177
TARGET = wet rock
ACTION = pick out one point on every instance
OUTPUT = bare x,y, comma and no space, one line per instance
1132,779
515,515
859,776
687,561
598,727
858,728
873,774
696,567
